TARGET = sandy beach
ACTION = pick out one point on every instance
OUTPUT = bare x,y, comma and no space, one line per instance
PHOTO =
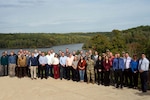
51,89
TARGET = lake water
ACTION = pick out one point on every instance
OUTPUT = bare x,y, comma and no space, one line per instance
71,47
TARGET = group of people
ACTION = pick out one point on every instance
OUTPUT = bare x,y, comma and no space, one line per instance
91,67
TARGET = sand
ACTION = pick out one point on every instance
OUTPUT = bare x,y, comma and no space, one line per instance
52,89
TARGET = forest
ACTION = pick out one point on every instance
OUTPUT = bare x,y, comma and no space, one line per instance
134,40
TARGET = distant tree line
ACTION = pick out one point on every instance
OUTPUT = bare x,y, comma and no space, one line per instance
37,40
134,40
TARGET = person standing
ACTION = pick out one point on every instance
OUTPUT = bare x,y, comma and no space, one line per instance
107,65
39,66
118,66
63,59
56,66
111,58
69,61
21,62
12,64
33,65
81,67
143,70
134,67
49,70
75,76
4,63
99,68
90,70
127,70
43,63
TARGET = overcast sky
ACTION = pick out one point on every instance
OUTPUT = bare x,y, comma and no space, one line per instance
62,16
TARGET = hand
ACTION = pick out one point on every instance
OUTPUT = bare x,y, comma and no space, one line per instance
141,71
99,70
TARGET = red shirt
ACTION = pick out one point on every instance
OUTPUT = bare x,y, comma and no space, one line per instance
107,65
82,65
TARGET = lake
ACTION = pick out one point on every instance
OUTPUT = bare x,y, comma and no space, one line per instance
71,47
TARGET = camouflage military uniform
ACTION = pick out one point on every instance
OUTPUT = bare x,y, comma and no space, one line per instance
90,71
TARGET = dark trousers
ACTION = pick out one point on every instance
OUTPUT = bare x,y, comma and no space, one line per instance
128,76
144,79
135,79
43,69
63,72
39,68
69,69
111,76
118,77
106,78
21,71
100,78
75,75
49,70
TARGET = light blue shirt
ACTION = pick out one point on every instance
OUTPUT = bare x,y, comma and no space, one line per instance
43,60
143,64
63,60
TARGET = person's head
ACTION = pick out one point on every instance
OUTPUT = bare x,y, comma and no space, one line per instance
89,58
32,54
56,55
70,55
40,52
11,53
99,57
6,53
21,51
135,57
49,52
118,55
75,58
143,55
67,50
43,54
107,51
87,53
110,54
90,51
96,53
81,58
81,52
74,52
103,55
126,54
52,51
35,51
62,54
123,54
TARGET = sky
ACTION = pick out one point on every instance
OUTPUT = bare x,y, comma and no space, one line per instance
64,16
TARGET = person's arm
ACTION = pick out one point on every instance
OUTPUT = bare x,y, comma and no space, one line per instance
131,66
18,63
29,62
147,65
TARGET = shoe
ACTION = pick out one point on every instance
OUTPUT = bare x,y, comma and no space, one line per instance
35,78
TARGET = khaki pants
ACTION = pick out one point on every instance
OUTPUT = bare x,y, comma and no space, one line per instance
90,73
12,70
33,71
